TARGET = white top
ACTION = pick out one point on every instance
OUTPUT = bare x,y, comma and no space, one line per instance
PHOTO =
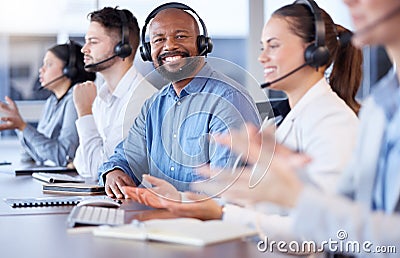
322,126
325,128
109,124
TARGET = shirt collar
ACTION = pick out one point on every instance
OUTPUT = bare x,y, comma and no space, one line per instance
387,93
122,87
58,100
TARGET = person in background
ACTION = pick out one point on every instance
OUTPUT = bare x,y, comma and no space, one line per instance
319,123
55,139
104,117
169,139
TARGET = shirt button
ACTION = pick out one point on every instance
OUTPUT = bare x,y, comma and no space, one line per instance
174,135
172,168
179,103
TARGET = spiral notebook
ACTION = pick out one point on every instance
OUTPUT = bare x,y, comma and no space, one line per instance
43,201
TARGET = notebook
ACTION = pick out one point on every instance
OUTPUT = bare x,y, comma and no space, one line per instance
73,188
43,201
57,178
185,231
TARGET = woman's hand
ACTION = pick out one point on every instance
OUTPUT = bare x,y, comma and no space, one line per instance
154,194
11,116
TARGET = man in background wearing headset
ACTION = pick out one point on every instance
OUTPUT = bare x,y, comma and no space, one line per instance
104,118
169,139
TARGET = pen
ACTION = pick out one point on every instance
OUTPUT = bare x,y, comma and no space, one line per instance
5,163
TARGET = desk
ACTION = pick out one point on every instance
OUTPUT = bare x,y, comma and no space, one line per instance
45,236
28,187
42,232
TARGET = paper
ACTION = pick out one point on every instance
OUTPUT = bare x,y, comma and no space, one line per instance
186,231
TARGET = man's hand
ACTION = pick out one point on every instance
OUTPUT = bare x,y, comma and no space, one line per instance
115,180
11,117
84,95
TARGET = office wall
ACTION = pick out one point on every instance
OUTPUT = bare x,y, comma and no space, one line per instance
25,58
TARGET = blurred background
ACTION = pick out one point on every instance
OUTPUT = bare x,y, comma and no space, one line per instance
29,27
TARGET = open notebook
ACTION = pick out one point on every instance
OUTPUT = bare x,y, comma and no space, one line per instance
181,231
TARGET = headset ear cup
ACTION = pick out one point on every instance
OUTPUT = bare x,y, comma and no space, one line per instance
123,50
309,55
210,45
145,51
204,45
322,55
142,53
316,56
201,45
70,72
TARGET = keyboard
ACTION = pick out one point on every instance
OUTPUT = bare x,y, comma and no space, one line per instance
93,215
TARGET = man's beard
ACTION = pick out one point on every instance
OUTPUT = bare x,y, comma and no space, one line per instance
100,67
183,72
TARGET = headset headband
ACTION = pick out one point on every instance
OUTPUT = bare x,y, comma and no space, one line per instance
169,6
125,29
70,70
72,56
319,23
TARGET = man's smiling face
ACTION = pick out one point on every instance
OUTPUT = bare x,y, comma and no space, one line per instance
173,38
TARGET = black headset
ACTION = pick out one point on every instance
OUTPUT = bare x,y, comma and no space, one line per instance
204,43
123,48
70,71
317,54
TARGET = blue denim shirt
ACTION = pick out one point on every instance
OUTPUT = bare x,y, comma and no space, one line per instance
170,138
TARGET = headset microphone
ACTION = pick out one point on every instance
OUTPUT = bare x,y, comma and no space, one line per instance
267,84
99,63
52,81
345,37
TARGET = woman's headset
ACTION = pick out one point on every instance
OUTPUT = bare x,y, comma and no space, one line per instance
70,71
317,54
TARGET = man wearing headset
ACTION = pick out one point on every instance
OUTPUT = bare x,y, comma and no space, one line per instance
170,138
104,117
